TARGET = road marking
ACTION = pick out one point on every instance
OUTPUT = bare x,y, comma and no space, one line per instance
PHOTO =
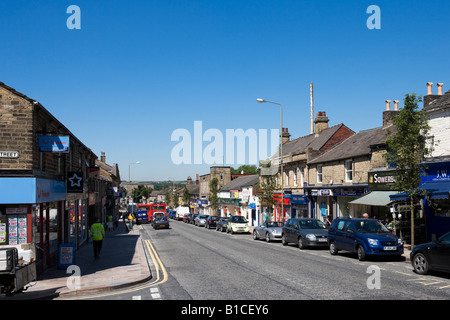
136,298
154,292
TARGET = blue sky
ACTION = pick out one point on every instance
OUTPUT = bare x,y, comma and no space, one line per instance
138,70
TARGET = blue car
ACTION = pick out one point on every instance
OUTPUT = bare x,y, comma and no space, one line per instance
366,237
141,217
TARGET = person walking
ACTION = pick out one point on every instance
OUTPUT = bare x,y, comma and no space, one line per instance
110,222
131,220
97,233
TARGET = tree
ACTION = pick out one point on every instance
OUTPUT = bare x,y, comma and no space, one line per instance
141,191
187,196
247,169
406,148
168,198
265,189
213,191
176,199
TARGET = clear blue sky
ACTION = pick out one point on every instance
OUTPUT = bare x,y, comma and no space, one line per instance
138,70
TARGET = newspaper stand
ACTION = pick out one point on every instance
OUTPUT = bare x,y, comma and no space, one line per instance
15,274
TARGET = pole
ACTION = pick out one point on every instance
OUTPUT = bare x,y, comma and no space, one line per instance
281,162
312,107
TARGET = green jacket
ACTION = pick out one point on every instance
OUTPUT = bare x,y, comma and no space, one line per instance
97,232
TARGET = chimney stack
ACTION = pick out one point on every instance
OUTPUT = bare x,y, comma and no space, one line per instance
389,114
430,97
321,122
103,157
285,136
197,179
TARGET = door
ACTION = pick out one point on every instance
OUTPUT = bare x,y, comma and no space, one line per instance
440,255
348,236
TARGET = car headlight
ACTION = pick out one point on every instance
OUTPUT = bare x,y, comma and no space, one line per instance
400,242
311,237
372,242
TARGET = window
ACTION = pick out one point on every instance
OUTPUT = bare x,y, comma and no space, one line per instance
302,176
286,178
295,177
348,171
319,173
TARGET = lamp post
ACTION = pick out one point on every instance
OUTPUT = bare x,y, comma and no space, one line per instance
281,150
129,166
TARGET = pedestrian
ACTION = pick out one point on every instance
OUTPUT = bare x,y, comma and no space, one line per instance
366,216
97,233
110,223
329,220
131,220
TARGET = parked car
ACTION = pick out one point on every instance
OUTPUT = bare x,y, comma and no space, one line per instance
366,237
211,222
160,222
432,255
269,231
186,217
200,220
237,224
192,218
305,232
141,217
222,224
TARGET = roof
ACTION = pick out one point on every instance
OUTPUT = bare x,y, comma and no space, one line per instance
239,183
443,102
313,141
354,146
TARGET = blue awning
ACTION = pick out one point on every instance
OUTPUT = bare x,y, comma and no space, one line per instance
434,190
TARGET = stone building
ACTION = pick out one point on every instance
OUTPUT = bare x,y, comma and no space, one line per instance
45,175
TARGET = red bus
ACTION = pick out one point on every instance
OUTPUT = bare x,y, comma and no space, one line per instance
152,208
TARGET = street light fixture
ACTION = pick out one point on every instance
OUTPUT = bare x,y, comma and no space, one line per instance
281,149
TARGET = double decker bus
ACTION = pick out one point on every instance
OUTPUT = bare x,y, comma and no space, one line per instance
152,208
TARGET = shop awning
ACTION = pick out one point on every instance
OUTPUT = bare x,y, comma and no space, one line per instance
375,198
434,190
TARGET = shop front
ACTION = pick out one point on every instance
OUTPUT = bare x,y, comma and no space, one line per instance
31,216
282,206
299,206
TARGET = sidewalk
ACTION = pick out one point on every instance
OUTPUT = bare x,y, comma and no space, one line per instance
122,263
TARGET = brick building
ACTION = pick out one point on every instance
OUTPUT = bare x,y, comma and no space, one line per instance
44,179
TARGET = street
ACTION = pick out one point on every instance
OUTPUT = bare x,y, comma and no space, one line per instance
193,263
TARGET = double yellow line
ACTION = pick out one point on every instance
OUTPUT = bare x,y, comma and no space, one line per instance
160,269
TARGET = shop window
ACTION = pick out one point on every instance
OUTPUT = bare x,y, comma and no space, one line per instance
441,208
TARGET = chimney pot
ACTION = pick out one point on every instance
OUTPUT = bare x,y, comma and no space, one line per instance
396,105
388,105
430,87
439,85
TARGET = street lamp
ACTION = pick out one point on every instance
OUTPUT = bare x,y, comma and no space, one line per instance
129,166
281,150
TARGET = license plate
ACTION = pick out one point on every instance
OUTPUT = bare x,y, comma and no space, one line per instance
389,248
322,239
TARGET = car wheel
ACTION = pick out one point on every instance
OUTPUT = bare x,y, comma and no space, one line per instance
255,235
333,249
301,244
420,263
361,253
267,237
283,240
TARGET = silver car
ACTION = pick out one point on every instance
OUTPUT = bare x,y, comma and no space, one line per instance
200,220
269,231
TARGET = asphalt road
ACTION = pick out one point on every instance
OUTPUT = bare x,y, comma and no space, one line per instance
203,264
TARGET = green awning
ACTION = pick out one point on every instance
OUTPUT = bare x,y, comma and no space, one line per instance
375,198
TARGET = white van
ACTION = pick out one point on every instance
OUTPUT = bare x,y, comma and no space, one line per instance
181,211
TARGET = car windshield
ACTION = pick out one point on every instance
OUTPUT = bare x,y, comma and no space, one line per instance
274,224
239,219
312,224
370,226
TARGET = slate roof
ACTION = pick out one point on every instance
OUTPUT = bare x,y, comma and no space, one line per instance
442,102
355,146
313,141
239,183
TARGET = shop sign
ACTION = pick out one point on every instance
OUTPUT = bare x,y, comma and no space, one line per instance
9,154
53,144
381,180
234,193
75,182
296,199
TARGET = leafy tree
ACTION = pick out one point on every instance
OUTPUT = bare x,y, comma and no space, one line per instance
265,190
140,192
247,169
168,198
187,196
213,191
407,146
176,199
